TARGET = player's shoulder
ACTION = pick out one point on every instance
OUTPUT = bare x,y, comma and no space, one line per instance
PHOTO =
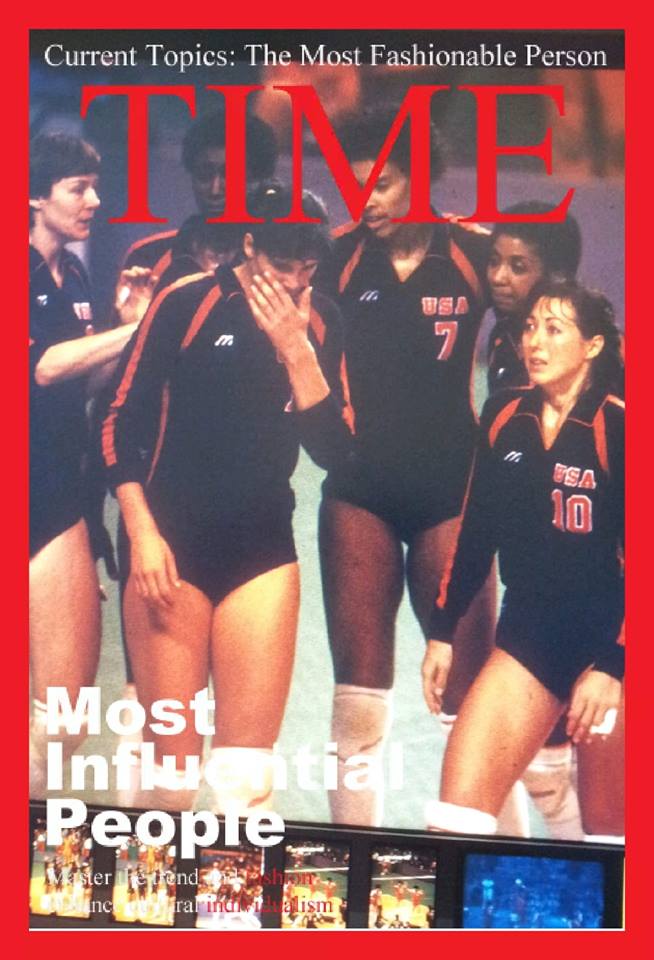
346,239
185,293
326,308
147,251
613,408
474,241
501,407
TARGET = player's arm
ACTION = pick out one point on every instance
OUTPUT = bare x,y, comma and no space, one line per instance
78,358
321,426
471,564
146,370
596,696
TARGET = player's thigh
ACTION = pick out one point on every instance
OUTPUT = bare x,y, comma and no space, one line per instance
600,778
64,612
504,719
253,638
169,651
430,555
362,565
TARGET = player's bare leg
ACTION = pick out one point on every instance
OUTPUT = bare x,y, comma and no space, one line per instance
253,638
429,553
169,651
362,567
601,784
504,719
64,635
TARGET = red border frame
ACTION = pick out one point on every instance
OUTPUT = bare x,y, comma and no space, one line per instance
14,53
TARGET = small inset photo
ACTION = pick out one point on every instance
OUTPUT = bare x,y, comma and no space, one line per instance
315,886
532,893
402,888
61,880
144,883
230,889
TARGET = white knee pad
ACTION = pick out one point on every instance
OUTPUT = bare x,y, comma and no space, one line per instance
550,782
361,720
39,738
513,818
603,838
241,779
451,818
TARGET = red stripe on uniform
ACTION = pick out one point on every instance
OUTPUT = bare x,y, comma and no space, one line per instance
344,229
348,409
599,430
109,425
501,419
467,269
200,315
163,419
350,267
318,326
162,264
165,235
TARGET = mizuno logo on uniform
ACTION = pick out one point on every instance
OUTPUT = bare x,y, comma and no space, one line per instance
444,306
514,456
369,296
83,311
42,299
225,340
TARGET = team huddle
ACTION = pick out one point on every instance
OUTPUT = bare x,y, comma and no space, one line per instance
229,348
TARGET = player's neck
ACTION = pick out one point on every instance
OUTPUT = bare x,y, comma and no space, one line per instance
558,403
410,240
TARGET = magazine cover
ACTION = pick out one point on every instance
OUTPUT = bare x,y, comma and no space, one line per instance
326,469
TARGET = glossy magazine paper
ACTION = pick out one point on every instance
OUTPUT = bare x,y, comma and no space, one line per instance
522,117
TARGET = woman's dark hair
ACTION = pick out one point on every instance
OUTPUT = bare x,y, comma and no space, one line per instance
290,241
594,317
55,156
557,244
363,136
196,234
209,131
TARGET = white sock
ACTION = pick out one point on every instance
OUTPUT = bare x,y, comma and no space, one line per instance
451,818
241,778
361,720
549,780
513,818
603,838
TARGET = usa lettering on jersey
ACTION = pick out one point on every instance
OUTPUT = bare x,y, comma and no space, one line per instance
574,477
444,306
